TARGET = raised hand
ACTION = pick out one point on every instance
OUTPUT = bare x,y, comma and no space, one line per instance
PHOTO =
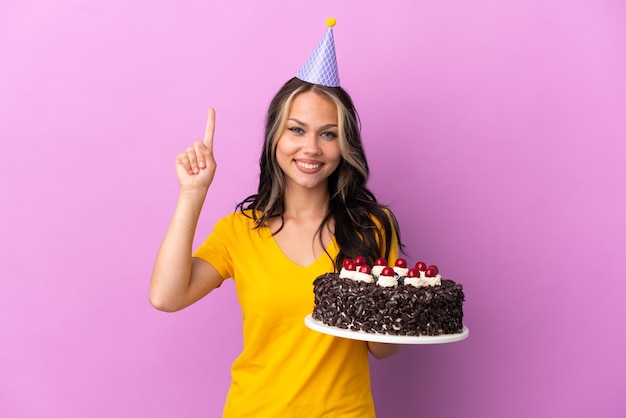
195,167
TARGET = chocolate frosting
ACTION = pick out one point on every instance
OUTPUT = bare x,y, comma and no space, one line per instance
399,310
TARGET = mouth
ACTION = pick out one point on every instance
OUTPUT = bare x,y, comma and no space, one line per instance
308,166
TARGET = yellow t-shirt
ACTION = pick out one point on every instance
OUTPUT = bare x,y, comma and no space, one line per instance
285,369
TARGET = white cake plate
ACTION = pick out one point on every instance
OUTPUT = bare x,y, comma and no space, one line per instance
384,338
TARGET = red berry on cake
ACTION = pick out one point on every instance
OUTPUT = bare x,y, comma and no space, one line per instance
387,278
363,274
413,273
387,271
359,261
379,265
400,267
430,272
420,265
380,262
348,264
401,262
434,267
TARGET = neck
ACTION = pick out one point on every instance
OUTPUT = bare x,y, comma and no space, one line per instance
306,203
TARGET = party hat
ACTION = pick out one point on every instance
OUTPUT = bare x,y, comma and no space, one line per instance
321,67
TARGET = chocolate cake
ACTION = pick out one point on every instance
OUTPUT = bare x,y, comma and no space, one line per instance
395,301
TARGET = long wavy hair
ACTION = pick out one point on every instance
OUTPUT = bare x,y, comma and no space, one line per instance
362,225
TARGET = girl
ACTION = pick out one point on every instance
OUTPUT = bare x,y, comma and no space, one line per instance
312,209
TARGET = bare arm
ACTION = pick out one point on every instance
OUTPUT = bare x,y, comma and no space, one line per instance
178,280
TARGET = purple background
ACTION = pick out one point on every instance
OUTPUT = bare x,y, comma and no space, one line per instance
494,129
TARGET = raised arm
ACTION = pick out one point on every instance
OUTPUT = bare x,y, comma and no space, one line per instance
178,280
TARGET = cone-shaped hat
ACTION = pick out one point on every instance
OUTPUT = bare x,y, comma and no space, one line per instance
321,67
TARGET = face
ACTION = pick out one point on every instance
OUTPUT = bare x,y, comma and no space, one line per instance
308,148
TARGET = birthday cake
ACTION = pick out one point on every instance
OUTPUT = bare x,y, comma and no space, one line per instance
389,300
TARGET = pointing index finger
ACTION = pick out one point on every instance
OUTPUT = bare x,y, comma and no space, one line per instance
210,129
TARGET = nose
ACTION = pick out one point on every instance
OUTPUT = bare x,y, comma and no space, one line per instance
311,145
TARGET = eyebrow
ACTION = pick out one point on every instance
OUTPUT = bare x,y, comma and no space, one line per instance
299,122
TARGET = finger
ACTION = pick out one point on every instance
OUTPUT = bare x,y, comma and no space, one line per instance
193,161
200,149
183,160
209,130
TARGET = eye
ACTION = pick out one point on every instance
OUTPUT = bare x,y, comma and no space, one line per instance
296,130
329,135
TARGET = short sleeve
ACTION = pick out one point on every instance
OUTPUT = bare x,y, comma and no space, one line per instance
215,249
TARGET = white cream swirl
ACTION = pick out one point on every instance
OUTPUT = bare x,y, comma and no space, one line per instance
376,270
387,281
429,281
423,281
346,274
401,271
362,277
413,281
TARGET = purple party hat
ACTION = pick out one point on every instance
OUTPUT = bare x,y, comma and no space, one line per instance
321,67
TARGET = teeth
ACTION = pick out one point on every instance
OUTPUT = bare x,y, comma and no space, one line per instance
308,166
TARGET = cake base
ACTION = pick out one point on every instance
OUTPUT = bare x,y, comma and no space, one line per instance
384,338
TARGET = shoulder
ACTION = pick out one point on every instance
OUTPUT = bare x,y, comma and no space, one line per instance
237,221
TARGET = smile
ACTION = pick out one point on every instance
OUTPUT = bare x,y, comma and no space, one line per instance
308,166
